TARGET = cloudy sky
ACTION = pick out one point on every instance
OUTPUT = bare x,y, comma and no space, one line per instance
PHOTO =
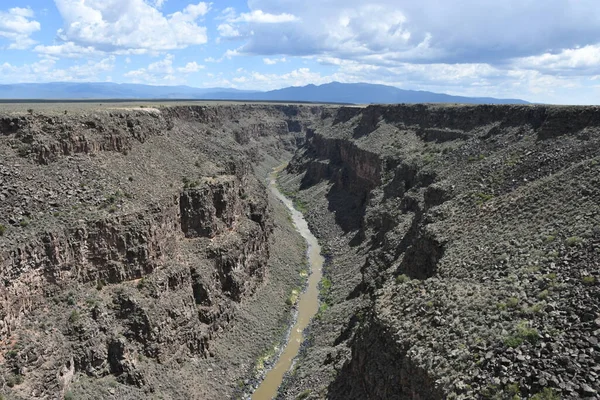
538,50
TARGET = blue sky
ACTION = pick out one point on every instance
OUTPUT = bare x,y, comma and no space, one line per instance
538,50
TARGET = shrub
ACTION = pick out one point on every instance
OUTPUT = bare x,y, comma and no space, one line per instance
303,395
402,279
512,302
573,241
14,380
513,341
522,333
2,230
481,198
543,295
11,354
588,280
69,396
74,317
549,238
24,223
546,394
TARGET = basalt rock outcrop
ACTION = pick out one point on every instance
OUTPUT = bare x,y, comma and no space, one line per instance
477,243
462,244
129,238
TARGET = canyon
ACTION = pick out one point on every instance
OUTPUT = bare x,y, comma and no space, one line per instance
142,254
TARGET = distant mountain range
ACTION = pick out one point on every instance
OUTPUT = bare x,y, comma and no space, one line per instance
335,92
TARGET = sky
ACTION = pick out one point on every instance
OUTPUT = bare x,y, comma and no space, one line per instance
538,50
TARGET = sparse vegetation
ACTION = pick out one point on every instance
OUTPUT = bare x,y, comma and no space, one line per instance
546,394
293,297
512,302
588,280
74,317
14,380
573,241
481,198
303,395
2,230
523,333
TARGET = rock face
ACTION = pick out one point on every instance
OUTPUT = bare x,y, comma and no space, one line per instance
463,248
129,238
475,234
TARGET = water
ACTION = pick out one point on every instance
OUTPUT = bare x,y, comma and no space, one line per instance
307,305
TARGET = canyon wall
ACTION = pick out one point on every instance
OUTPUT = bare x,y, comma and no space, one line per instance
462,246
129,235
474,232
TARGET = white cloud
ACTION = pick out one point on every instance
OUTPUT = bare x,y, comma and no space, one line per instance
261,17
425,31
159,3
190,68
228,55
228,31
130,26
273,61
68,50
579,61
163,71
17,25
46,70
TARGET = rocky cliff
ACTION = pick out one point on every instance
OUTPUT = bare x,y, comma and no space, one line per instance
141,256
129,238
474,230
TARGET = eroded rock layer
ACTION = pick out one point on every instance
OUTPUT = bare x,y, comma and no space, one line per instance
463,244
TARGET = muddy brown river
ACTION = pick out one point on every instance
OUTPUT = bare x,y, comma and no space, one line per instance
307,305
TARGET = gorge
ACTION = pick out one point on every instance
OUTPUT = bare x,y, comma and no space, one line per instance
142,254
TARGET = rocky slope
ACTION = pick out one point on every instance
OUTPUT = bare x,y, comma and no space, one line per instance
465,248
132,240
141,256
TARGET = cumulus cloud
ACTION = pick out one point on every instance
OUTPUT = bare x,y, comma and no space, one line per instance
423,32
17,25
260,17
130,26
273,61
190,68
46,70
163,71
579,61
227,31
239,26
67,50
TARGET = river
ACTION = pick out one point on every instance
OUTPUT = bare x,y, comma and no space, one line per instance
307,305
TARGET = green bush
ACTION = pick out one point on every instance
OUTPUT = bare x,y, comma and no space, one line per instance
14,380
402,279
522,334
588,280
512,302
481,198
573,241
543,295
74,317
546,394
2,230
303,395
